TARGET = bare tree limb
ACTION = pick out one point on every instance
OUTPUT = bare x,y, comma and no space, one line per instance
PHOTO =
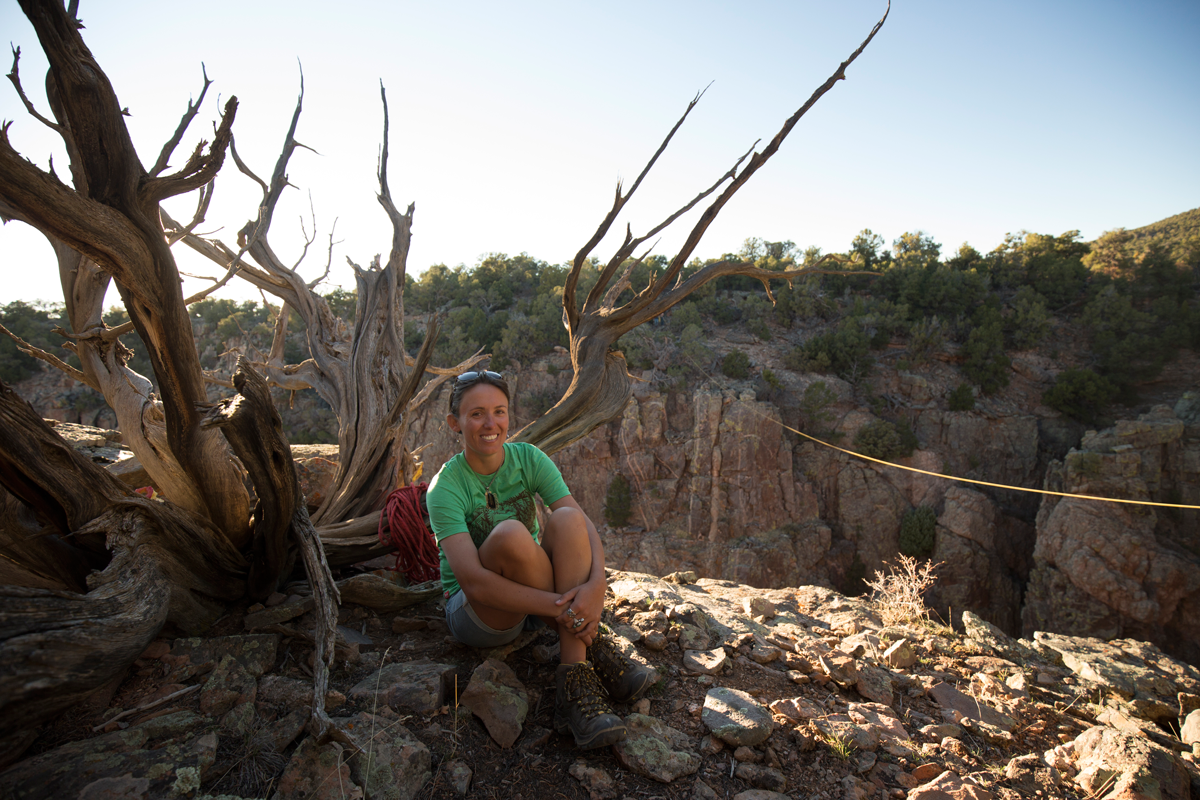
202,204
15,76
36,352
188,116
570,312
600,385
200,168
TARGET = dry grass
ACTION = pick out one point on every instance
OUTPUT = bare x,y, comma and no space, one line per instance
899,595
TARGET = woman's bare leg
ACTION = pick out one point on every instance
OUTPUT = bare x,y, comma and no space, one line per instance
566,542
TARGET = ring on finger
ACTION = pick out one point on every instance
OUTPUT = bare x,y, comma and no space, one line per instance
570,611
579,623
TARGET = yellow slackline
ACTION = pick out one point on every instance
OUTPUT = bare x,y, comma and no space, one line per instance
981,483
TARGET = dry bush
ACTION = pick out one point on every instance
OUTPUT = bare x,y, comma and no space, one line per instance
899,595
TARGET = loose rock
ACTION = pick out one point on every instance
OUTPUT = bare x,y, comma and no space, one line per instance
497,697
735,717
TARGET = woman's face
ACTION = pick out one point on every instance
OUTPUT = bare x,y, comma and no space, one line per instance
483,421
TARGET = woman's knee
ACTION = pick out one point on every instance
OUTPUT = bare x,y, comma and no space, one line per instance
567,520
567,527
509,543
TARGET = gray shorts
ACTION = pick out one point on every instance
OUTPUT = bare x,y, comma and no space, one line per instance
466,627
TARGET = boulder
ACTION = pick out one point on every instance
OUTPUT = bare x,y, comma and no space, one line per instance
1126,765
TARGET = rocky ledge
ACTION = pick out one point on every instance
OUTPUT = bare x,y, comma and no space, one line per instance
797,692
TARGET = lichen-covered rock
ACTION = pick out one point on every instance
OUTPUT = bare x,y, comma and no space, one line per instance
598,782
949,786
317,772
953,700
900,655
875,683
707,662
1136,672
459,775
762,777
129,761
656,750
228,685
390,762
195,656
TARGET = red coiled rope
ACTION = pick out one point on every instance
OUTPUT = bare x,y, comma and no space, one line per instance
402,525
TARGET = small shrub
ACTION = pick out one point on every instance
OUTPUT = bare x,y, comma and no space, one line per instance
1080,393
736,365
926,337
758,327
618,502
985,363
899,596
917,531
886,440
962,398
818,397
683,315
772,379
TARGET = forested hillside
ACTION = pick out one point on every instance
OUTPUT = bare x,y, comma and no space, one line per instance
1129,297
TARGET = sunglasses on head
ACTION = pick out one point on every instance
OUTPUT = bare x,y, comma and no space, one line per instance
474,375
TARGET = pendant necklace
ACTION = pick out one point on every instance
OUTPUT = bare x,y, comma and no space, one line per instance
487,490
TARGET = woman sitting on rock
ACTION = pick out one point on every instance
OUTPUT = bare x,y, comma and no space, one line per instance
501,573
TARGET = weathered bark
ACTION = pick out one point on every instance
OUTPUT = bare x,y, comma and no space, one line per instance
111,217
600,387
254,430
56,646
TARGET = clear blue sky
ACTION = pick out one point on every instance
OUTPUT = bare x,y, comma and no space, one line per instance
511,123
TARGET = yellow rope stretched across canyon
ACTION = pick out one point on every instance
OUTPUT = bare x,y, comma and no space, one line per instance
982,483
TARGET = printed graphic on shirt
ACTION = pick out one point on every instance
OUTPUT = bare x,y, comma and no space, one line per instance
520,507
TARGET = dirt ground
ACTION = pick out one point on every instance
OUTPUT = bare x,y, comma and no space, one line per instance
536,767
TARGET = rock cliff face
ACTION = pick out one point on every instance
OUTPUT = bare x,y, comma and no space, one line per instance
721,487
1113,570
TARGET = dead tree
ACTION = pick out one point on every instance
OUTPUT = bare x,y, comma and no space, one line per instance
363,372
88,558
100,571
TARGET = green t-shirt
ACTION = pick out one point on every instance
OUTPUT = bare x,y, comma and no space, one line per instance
457,502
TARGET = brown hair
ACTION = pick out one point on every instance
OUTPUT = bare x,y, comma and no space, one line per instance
461,386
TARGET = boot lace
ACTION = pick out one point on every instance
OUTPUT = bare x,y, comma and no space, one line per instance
607,658
583,688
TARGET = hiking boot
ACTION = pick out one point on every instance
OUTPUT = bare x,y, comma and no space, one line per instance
623,678
580,707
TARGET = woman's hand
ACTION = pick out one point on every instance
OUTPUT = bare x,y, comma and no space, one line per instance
583,603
